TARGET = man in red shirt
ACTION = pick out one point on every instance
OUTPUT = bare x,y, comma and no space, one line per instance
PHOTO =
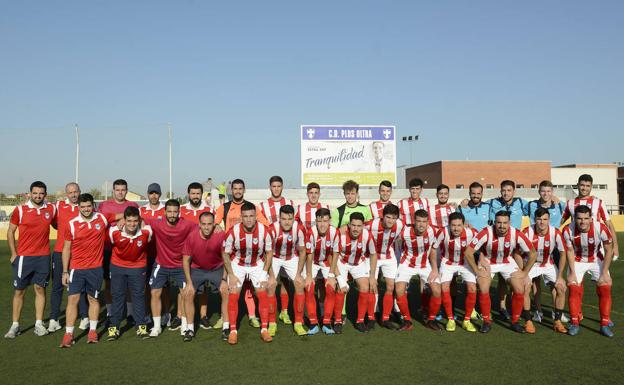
203,265
196,206
82,264
65,211
271,207
116,205
128,263
385,193
306,213
30,257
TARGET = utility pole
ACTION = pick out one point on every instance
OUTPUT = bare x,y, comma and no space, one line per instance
170,164
77,152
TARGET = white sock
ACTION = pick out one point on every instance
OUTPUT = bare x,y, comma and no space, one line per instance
130,309
184,324
93,324
263,330
38,322
157,322
69,329
226,325
108,309
15,325
190,327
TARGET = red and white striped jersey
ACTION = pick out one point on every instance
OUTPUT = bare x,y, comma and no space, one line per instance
376,208
545,245
306,214
452,249
319,245
190,213
271,208
247,248
286,244
384,238
587,245
438,215
354,251
416,248
408,207
598,211
500,249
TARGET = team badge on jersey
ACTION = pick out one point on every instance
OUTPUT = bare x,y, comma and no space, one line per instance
97,226
140,243
47,215
327,243
463,243
392,234
426,240
255,241
308,245
590,240
290,237
506,244
359,245
546,244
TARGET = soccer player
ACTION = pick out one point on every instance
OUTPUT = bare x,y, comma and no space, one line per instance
128,270
195,205
547,239
203,265
30,257
354,254
476,211
598,211
320,241
271,207
439,213
584,238
83,255
116,205
306,213
247,252
385,193
66,210
170,235
452,242
230,214
154,209
384,231
409,205
289,260
341,214
501,245
419,258
547,200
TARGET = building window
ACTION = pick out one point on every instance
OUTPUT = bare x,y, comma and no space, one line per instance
489,186
520,185
602,187
533,185
459,186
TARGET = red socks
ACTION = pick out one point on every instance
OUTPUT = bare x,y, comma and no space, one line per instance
329,304
574,302
249,299
517,303
284,301
362,306
448,304
388,303
340,297
604,303
311,304
263,305
233,309
372,302
434,306
272,310
299,304
471,300
486,306
404,306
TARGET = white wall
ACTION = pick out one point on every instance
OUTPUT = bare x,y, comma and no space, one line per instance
568,176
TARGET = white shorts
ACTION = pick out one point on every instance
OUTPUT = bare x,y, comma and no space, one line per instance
256,274
388,267
357,271
324,271
548,273
448,271
593,268
505,269
405,273
289,267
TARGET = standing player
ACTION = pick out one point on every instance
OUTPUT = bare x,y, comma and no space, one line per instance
247,253
320,241
547,201
116,205
410,205
306,213
547,239
476,211
170,236
271,207
354,254
452,242
419,258
65,211
30,257
288,259
385,193
384,231
154,209
83,255
203,265
195,206
128,264
439,213
501,245
341,214
584,238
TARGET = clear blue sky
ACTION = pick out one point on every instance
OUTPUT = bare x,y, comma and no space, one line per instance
476,79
